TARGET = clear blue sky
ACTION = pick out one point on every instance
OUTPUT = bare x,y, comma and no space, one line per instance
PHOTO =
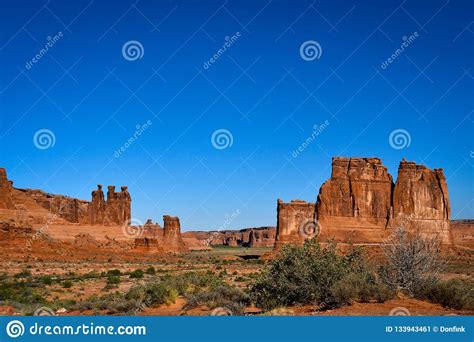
260,89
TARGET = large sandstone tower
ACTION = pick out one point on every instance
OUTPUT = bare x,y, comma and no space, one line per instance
361,204
172,239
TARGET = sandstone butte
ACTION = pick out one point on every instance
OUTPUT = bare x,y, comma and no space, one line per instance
359,204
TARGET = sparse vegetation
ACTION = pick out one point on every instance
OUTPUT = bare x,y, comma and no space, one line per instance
315,275
137,274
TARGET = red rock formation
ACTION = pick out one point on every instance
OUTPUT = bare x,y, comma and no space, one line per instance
295,222
463,233
97,207
172,239
6,199
421,200
360,203
354,205
262,237
358,187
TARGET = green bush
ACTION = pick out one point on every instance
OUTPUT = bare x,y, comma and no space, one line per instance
113,280
222,296
46,280
454,293
67,284
314,275
114,272
137,274
150,270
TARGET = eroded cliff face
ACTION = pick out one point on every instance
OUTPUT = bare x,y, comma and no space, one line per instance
420,199
361,204
358,187
295,222
172,239
6,196
33,206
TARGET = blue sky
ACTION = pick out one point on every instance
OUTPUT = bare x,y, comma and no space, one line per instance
259,89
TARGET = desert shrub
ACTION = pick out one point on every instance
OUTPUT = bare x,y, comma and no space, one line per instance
114,272
191,282
113,280
22,292
67,284
362,287
23,274
222,296
413,258
46,280
314,275
152,294
137,274
150,270
454,293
